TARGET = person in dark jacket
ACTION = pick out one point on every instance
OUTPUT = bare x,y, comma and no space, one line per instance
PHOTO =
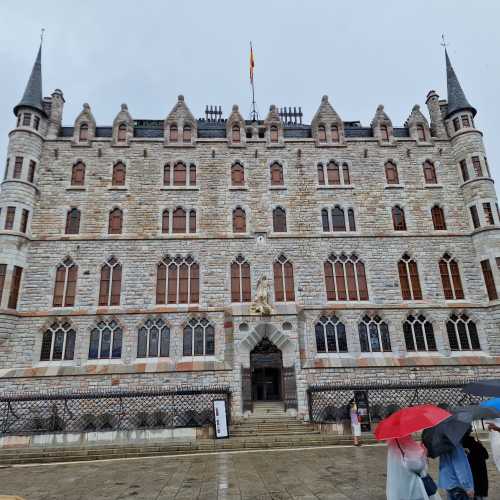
477,456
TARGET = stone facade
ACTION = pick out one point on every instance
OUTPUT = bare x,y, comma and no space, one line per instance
146,147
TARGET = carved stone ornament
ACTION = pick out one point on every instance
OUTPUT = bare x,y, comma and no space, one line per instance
260,305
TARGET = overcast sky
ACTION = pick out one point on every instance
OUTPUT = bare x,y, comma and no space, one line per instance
145,53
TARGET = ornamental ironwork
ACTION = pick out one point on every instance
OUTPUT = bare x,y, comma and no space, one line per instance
109,410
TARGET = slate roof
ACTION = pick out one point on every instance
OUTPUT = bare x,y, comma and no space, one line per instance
456,97
32,96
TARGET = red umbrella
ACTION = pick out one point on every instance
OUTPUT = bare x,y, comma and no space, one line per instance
409,420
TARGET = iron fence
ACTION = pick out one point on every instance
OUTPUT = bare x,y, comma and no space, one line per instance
109,410
330,403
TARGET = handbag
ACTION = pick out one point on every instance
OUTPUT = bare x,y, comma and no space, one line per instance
429,485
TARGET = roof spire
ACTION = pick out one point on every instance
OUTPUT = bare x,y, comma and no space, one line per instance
456,97
32,96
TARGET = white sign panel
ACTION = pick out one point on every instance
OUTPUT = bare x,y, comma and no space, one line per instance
220,418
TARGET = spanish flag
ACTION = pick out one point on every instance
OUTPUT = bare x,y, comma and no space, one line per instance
252,62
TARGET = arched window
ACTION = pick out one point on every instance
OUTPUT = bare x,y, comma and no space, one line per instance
173,133
199,338
429,173
398,219
239,220
180,174
330,335
166,174
122,133
276,174
115,225
421,133
450,278
236,133
106,341
119,172
335,134
384,133
279,220
84,132
345,278
58,343
351,219
338,219
241,290
438,219
462,333
186,133
489,280
192,221
345,174
153,339
78,174
237,175
338,223
409,279
178,281
179,220
274,133
192,174
165,221
325,220
374,335
73,221
321,133
333,173
284,289
111,283
321,174
65,286
419,334
391,173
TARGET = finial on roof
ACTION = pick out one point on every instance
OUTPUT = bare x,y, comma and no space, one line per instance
32,97
235,108
324,98
272,107
180,97
124,107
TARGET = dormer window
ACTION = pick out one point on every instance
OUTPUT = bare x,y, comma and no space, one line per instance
335,134
384,133
236,134
186,133
321,133
122,133
274,133
421,132
174,136
84,132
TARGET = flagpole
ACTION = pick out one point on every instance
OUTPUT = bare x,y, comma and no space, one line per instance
253,114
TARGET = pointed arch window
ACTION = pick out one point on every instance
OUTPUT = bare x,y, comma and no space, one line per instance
274,133
276,174
321,133
374,335
321,174
192,174
421,133
111,283
178,281
236,133
335,134
73,221
338,219
462,333
438,219
398,218
409,279
153,339
179,220
237,175
450,278
429,172
333,173
65,285
284,288
239,220
106,341
122,133
83,133
58,343
115,225
192,221
166,174
173,133
119,173
419,334
391,173
345,174
279,220
330,335
180,174
241,289
384,133
489,280
199,338
186,133
165,221
345,278
78,174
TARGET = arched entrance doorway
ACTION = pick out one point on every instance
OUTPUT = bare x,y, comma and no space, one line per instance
266,364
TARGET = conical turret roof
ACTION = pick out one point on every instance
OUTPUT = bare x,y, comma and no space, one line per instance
32,96
456,97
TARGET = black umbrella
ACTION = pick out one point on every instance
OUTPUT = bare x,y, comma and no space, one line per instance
489,387
471,413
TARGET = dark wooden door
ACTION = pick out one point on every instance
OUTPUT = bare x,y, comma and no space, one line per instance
266,384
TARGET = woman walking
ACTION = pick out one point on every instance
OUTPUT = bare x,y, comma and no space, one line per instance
355,425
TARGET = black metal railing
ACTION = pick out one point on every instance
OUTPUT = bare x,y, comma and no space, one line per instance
109,410
330,403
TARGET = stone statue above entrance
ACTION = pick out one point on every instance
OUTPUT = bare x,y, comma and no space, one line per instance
260,304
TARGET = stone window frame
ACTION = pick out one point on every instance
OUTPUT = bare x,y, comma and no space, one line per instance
123,222
178,260
401,206
490,285
324,320
67,263
143,324
206,324
245,177
53,327
247,219
127,173
71,185
289,293
171,209
470,318
116,329
384,167
379,321
68,211
112,263
187,164
240,260
471,170
478,204
434,164
344,258
414,286
281,206
345,208
444,212
321,164
448,257
421,319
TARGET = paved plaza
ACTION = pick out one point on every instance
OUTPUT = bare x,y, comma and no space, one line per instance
337,473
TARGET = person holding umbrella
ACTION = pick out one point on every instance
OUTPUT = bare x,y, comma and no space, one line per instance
477,456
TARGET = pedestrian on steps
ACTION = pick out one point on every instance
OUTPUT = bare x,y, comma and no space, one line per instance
355,424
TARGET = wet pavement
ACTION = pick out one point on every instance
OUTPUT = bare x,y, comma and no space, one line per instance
336,473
